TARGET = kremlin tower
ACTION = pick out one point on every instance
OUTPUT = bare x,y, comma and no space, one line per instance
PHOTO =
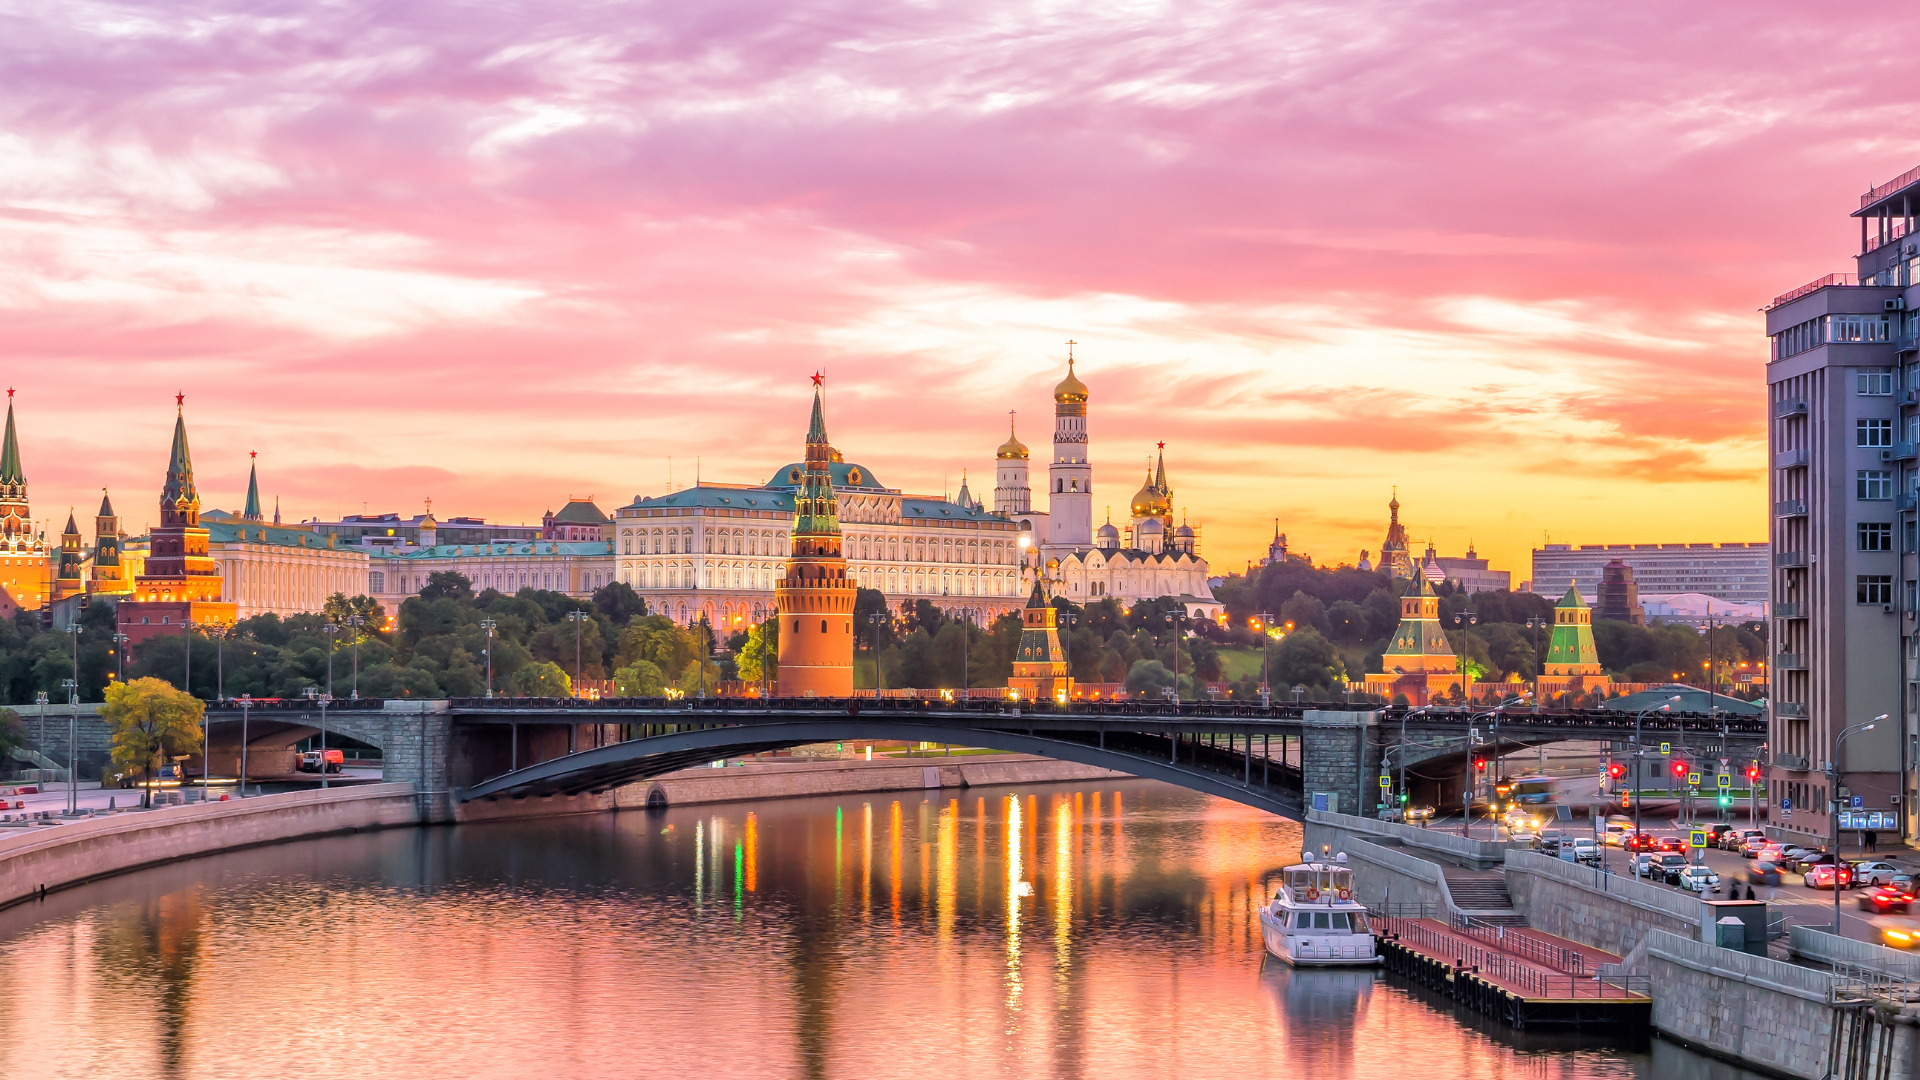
68,580
815,598
26,574
1039,664
109,575
1012,495
181,583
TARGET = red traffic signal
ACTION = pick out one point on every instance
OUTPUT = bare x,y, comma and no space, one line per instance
1616,770
1753,773
1679,768
1480,764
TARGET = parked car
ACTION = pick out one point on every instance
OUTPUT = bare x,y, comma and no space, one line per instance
1883,899
1643,864
1875,872
310,761
1806,863
1586,851
1639,841
1824,875
1764,873
1698,879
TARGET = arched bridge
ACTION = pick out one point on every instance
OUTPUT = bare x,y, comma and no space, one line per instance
1268,757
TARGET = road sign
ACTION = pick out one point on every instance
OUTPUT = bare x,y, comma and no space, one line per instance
1859,802
1666,748
1693,779
1698,838
1385,781
1726,781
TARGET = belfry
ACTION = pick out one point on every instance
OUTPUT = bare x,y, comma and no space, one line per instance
815,598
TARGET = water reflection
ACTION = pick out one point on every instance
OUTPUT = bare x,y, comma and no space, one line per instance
1046,932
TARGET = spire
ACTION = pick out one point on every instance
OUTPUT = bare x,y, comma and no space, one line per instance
1393,507
106,505
10,472
252,510
276,509
72,529
1160,471
817,427
179,493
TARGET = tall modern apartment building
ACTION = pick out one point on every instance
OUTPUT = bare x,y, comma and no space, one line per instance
1843,377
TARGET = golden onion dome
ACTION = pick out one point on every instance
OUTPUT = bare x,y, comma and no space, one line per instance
1071,391
1013,448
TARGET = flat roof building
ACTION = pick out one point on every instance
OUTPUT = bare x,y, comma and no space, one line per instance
1732,572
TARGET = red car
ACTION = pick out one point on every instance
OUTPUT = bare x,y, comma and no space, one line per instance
1638,842
1670,843
1884,899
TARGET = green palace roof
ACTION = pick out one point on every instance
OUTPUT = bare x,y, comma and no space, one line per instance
500,548
1692,700
720,496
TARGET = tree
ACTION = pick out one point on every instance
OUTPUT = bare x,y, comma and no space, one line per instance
13,733
1347,622
1307,659
1148,678
700,676
619,603
447,585
639,679
756,660
340,608
149,722
543,679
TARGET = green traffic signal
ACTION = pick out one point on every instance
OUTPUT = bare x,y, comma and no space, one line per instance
1726,800
1403,796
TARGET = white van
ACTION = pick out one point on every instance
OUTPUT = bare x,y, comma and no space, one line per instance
1615,833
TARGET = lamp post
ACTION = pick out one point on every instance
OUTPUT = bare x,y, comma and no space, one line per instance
40,699
1639,771
706,650
218,632
120,653
1066,651
488,625
576,617
186,632
331,630
1174,619
1464,619
1833,808
1534,623
246,702
356,621
73,724
878,619
1262,620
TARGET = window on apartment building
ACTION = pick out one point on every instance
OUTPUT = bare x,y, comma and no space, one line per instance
1874,589
1912,599
1873,432
1874,383
1875,535
1873,484
1859,328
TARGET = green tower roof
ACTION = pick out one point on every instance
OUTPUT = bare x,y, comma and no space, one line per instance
10,472
1572,599
252,509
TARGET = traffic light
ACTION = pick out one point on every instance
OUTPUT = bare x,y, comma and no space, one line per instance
1726,800
1480,764
1753,774
1616,770
1679,768
1403,796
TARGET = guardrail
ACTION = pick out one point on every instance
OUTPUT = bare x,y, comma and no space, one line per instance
1811,943
1523,945
1519,973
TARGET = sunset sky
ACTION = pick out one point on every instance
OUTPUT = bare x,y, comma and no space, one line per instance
1505,257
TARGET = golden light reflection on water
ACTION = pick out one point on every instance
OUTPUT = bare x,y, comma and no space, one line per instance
723,941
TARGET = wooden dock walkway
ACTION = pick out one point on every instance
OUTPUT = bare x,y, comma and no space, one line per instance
1516,974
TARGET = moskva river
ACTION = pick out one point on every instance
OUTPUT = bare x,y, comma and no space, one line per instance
1099,931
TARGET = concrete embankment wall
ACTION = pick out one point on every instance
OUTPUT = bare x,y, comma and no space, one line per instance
792,779
59,856
1446,846
1381,874
1606,911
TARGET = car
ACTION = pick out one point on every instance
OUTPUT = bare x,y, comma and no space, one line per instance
1902,881
1876,872
1639,841
1823,875
1698,879
1548,845
1586,851
1717,830
1898,937
1670,843
1668,866
1764,873
1614,834
1882,899
1819,858
1791,854
1643,864
1754,845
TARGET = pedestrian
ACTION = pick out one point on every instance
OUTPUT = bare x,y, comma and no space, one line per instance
1866,841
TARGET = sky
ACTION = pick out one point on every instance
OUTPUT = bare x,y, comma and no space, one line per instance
1508,258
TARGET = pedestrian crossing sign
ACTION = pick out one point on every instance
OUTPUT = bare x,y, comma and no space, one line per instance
1693,779
1385,781
1698,839
1666,748
1726,781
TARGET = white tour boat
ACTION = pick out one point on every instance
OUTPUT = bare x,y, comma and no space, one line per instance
1314,921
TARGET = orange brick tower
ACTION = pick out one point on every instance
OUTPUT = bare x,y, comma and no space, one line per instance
816,597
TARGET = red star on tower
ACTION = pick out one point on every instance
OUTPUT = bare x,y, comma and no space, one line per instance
818,378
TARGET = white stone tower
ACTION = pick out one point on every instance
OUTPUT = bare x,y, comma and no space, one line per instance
1070,477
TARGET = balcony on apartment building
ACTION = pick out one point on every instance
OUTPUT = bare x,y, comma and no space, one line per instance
1793,710
1789,611
1790,459
1789,508
1787,559
1789,661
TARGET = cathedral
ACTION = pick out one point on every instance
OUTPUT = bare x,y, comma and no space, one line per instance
1147,557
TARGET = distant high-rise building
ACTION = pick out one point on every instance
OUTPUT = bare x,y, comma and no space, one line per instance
1736,572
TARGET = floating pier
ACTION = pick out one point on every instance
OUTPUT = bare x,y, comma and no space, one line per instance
1516,975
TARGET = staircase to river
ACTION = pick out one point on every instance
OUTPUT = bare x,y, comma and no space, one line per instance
1482,895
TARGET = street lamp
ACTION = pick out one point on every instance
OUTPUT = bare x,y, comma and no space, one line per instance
218,632
488,625
1464,619
120,653
1534,623
73,724
1833,808
1174,619
356,621
1262,620
878,619
246,702
331,630
576,617
186,632
323,700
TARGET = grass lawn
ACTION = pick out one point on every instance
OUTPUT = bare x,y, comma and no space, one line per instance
1237,664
